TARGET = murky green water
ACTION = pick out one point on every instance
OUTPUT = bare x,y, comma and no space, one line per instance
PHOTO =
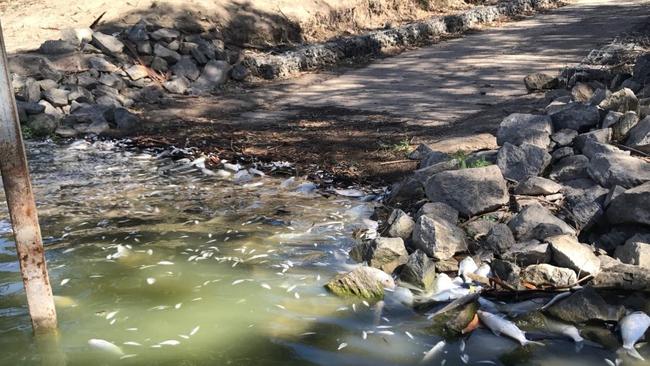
179,268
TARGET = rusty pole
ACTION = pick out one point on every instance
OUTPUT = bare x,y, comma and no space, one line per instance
22,209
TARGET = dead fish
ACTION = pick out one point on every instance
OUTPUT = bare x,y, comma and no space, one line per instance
633,326
465,266
565,329
500,326
105,345
517,309
484,270
436,349
64,301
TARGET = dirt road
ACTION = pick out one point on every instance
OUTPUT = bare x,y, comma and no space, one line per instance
451,95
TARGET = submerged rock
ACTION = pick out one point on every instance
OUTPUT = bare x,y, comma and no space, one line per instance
363,282
584,306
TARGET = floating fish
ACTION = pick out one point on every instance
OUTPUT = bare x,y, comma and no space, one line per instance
500,326
341,346
105,345
436,349
171,342
565,329
633,326
465,266
65,281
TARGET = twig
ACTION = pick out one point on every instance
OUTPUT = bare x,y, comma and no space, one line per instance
624,147
398,161
96,22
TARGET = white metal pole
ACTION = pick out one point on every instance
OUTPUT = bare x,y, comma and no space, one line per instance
22,209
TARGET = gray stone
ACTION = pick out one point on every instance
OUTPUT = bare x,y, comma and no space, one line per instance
621,129
408,190
177,85
561,153
612,194
520,162
585,205
112,80
532,216
584,306
80,95
125,120
470,191
438,209
438,238
186,68
58,97
542,231
56,47
66,131
42,124
165,34
420,152
50,109
621,101
564,137
555,106
537,186
47,84
98,127
144,47
593,148
101,64
77,36
387,254
570,168
432,157
107,43
642,69
30,107
166,54
540,81
599,95
363,282
419,271
604,136
499,239
159,64
137,72
631,206
639,136
631,84
569,253
548,275
636,250
508,272
528,252
576,116
611,118
582,92
239,72
214,73
26,89
628,277
422,175
400,225
138,32
519,128
611,169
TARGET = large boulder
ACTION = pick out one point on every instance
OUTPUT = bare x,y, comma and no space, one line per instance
530,217
621,276
622,128
519,128
470,191
540,81
438,209
569,253
364,282
585,204
610,169
527,253
639,136
631,206
547,275
520,162
576,116
438,238
636,250
603,135
585,305
621,101
570,168
419,270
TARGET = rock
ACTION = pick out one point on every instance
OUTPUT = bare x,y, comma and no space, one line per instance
508,272
420,152
585,305
611,118
239,72
631,206
159,64
165,34
422,175
80,95
612,194
166,54
599,95
58,97
137,72
26,89
621,101
101,64
438,238
107,43
47,84
499,239
214,74
639,136
520,162
568,252
56,47
614,168
50,109
642,69
98,127
438,209
554,106
30,107
626,277
144,47
66,131
531,216
186,68
177,85
604,136
112,80
479,228
446,265
548,275
138,32
636,250
585,205
564,137
387,253
540,81
537,186
470,191
400,225
527,253
561,153
593,148
419,271
77,36
363,282
125,120
621,129
432,157
519,128
576,116
42,124
408,190
582,92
